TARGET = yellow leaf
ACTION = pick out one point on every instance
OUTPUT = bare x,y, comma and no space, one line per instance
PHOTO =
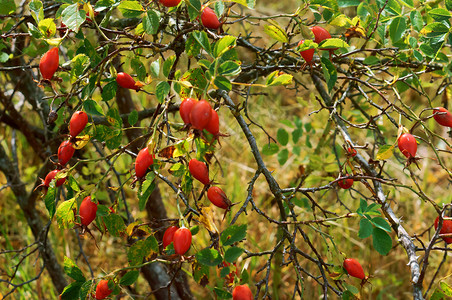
81,141
385,152
131,226
206,219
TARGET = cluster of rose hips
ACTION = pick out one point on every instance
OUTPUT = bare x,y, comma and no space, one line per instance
208,17
320,34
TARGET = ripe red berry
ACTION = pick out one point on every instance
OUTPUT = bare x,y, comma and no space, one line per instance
352,151
77,123
199,171
242,292
65,152
185,109
345,183
126,81
87,211
50,176
182,240
218,197
214,123
307,54
446,228
102,290
49,63
354,268
170,3
320,34
442,116
407,145
168,236
143,161
209,19
200,114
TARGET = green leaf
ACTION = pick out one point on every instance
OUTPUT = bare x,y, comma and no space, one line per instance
381,223
131,9
155,68
151,21
232,254
7,7
382,242
49,199
129,278
109,91
153,243
276,32
79,63
138,68
435,29
194,7
192,47
137,252
283,155
333,43
248,3
270,149
449,4
168,64
330,73
145,190
348,3
447,290
133,117
92,108
84,290
202,39
275,79
371,60
34,31
209,257
296,135
115,224
47,27
416,20
65,214
233,234
385,152
72,17
439,14
37,10
365,228
282,136
229,68
161,91
224,44
397,29
221,294
223,83
71,291
72,270
224,272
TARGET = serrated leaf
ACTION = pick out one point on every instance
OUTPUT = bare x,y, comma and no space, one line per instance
330,72
276,32
365,228
151,21
65,214
232,254
109,91
194,6
72,17
84,289
223,83
333,43
129,278
131,9
161,91
92,108
71,291
385,152
382,242
229,68
203,40
72,270
381,223
115,224
7,7
233,234
168,64
209,257
224,44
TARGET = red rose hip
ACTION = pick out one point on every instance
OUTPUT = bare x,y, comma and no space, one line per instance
209,19
214,123
50,176
242,292
65,152
77,123
126,81
308,55
185,108
143,161
182,240
345,183
199,171
168,236
87,211
170,3
49,63
407,145
102,290
442,116
218,197
354,268
446,228
200,114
